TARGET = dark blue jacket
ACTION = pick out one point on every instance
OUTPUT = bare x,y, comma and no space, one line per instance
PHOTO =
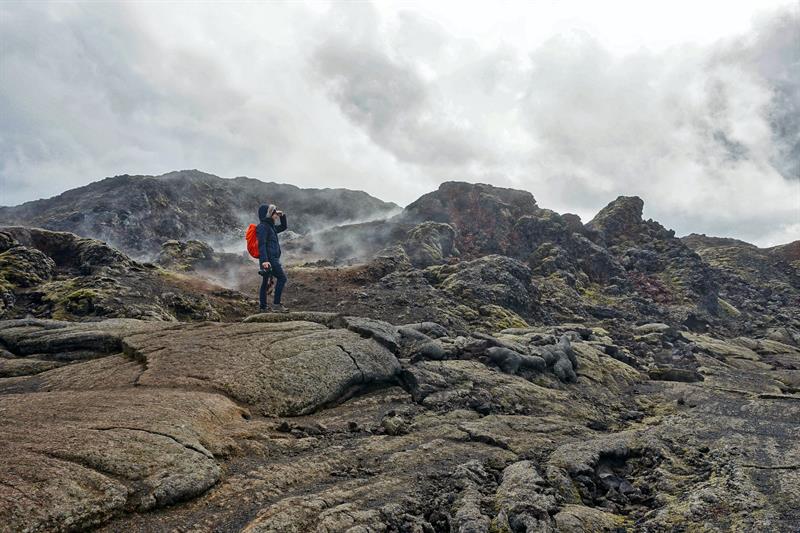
269,248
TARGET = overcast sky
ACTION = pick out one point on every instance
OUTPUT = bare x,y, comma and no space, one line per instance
692,105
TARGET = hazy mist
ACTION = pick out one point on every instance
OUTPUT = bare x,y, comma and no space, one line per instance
395,100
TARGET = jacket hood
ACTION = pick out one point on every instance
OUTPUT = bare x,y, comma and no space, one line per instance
262,212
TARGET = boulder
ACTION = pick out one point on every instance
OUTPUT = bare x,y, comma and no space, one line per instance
482,215
430,243
383,332
68,250
493,279
429,329
685,375
184,255
524,500
25,267
286,368
618,220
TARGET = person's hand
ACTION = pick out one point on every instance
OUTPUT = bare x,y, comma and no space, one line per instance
279,213
265,265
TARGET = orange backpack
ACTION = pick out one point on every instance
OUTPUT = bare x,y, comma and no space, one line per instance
251,236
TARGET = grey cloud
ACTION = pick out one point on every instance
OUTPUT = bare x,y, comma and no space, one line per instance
95,90
709,136
776,56
85,88
388,97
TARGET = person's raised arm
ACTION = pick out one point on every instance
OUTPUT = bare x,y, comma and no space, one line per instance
283,225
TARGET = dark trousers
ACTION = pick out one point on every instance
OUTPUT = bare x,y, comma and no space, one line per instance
280,283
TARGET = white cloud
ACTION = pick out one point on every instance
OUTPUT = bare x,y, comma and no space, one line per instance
694,108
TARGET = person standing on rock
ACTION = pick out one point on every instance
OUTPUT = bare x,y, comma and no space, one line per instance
272,222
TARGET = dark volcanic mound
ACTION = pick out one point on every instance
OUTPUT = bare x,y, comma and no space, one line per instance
486,365
138,213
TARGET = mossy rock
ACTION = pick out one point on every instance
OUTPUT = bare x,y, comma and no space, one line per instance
71,298
189,307
7,241
594,294
7,298
497,527
579,518
727,309
81,302
430,243
467,313
25,267
498,318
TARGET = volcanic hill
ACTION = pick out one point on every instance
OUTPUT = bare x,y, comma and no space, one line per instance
474,363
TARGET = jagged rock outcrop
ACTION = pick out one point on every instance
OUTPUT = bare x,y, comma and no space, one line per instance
551,244
430,243
60,275
758,287
493,279
581,380
659,266
483,215
619,220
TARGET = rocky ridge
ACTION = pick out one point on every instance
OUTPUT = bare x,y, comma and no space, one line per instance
136,214
60,275
529,373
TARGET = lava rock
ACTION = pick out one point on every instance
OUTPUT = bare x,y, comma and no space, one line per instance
430,243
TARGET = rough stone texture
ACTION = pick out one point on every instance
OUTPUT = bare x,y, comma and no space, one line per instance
383,332
607,377
493,279
619,219
60,275
524,499
618,266
284,368
430,243
25,267
128,432
462,445
580,519
483,215
79,457
25,366
320,317
55,338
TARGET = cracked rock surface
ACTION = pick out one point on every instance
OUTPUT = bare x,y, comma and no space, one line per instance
312,422
488,366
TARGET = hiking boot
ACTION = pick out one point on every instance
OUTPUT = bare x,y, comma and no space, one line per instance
279,308
264,309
